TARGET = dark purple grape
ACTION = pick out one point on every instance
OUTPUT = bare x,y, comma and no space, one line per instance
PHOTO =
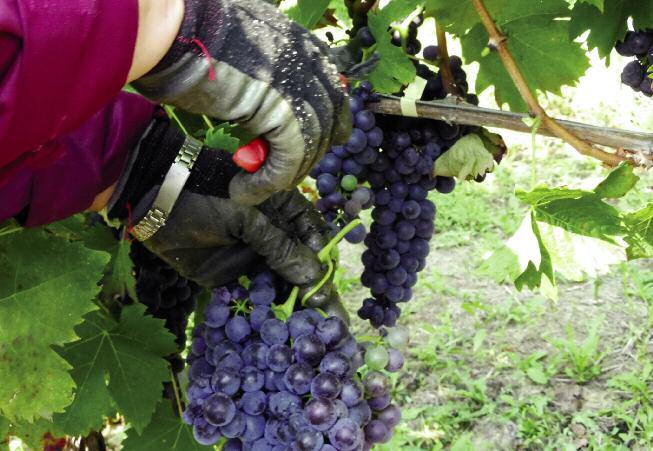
326,385
219,409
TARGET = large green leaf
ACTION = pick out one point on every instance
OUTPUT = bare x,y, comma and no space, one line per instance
116,363
166,432
618,183
46,286
459,16
538,39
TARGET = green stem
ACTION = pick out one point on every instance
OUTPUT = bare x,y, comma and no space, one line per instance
173,115
320,284
9,230
284,310
175,388
325,253
208,122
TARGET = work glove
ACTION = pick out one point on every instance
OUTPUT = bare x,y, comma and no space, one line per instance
244,61
206,236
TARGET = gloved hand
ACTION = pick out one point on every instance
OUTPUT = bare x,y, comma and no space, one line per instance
244,61
211,239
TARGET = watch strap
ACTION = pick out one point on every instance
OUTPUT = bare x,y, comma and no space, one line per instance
171,188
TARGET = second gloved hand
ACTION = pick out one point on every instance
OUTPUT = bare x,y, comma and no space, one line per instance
209,238
244,61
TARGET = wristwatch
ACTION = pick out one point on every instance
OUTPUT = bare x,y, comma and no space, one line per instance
171,188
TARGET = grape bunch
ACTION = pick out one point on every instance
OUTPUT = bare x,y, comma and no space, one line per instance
412,45
637,73
166,294
267,384
403,216
340,175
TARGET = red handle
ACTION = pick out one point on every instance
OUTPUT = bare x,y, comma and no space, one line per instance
251,156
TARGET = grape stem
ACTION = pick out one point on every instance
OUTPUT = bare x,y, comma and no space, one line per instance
445,62
499,43
284,310
175,388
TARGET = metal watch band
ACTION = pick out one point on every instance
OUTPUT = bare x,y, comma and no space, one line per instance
171,188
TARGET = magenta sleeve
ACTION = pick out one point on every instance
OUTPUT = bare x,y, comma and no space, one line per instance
61,61
89,160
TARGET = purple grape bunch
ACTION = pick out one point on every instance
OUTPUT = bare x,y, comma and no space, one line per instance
637,74
403,216
341,174
302,384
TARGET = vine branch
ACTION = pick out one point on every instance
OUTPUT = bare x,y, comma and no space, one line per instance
499,43
448,81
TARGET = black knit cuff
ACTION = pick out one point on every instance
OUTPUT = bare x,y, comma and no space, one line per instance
155,154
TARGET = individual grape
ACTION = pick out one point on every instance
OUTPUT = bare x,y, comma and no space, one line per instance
360,413
206,434
309,348
379,403
395,360
357,141
320,414
298,378
216,314
274,331
254,402
332,332
431,53
262,294
252,379
345,435
279,357
376,357
284,403
219,409
351,392
237,329
336,363
331,164
366,37
326,385
356,235
226,380
390,416
302,322
376,384
397,337
254,428
232,445
349,182
326,184
308,440
235,427
376,432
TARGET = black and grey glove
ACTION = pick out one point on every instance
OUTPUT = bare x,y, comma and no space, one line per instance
207,237
244,61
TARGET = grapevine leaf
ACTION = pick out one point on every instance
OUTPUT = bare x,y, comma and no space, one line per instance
394,69
459,16
584,214
220,138
640,233
618,183
307,12
538,39
166,431
46,286
468,158
119,278
532,276
117,362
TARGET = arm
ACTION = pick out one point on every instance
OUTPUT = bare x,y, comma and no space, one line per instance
62,61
